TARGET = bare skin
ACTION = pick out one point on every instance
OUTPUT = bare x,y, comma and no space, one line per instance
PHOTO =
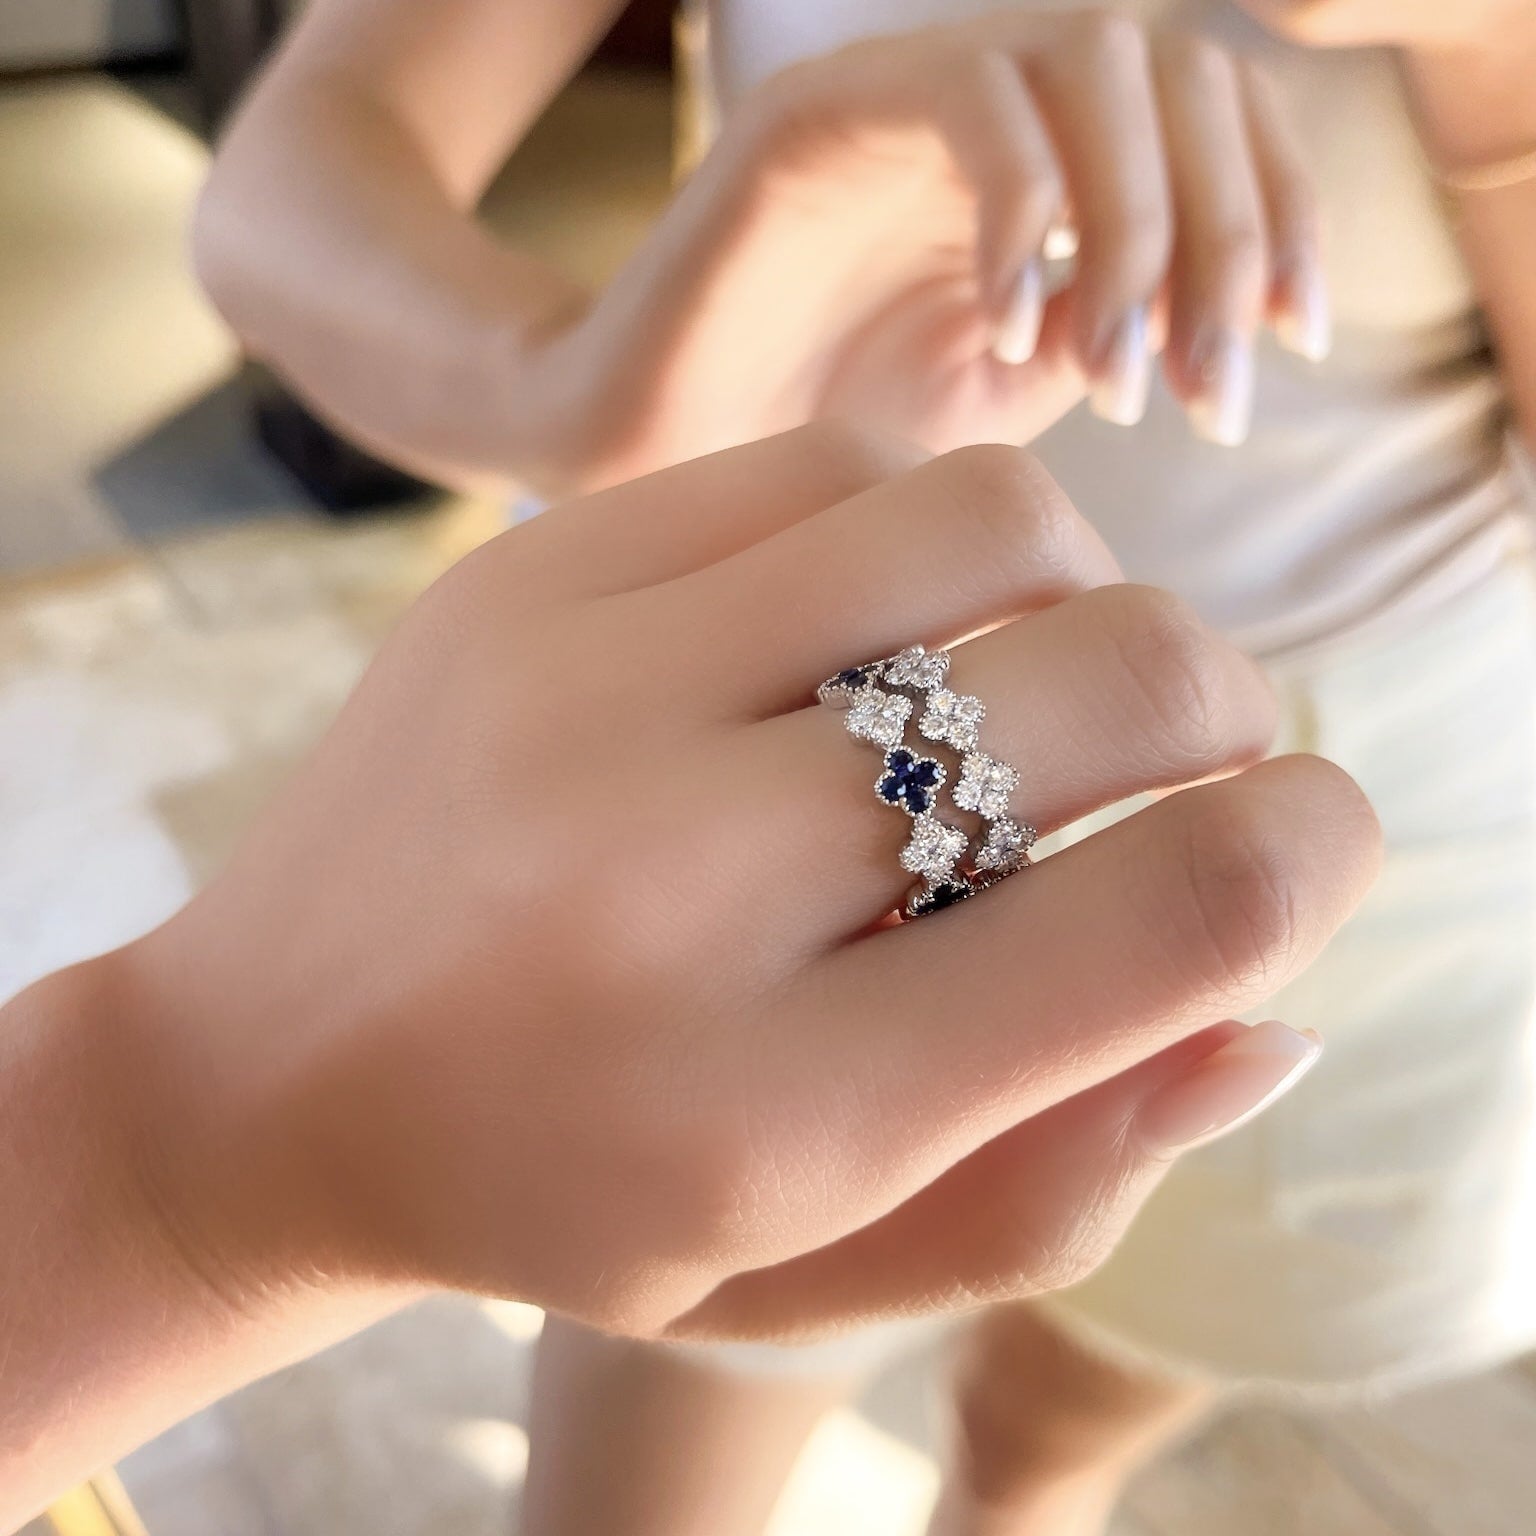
907,183
687,1446
1046,1433
374,248
455,1016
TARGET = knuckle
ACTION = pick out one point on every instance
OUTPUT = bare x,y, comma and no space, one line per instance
1203,61
1135,242
1011,508
849,458
1239,251
1112,35
1041,1264
1175,669
1244,897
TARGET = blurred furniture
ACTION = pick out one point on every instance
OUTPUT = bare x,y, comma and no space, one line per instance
225,41
53,34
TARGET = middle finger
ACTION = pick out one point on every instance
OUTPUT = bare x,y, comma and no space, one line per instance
1221,252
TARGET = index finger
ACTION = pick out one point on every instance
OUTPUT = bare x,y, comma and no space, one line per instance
690,516
940,1034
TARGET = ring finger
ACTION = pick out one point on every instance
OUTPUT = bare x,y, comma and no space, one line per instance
1114,692
1220,273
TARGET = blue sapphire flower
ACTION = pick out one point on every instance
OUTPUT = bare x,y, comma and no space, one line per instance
910,781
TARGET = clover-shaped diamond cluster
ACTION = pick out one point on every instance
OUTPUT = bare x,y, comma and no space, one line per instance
916,668
878,716
952,717
1005,848
985,785
934,849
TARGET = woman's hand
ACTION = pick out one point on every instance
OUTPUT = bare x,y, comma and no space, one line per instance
867,241
558,971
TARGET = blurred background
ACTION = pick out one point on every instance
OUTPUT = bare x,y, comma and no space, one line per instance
192,573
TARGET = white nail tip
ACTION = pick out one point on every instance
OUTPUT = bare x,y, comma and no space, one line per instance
1305,326
1120,393
1223,411
1019,334
1268,1057
1309,336
1280,1044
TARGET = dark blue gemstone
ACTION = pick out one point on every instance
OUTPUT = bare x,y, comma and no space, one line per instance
891,788
851,677
918,799
926,774
899,761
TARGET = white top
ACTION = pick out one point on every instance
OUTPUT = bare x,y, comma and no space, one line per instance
1374,484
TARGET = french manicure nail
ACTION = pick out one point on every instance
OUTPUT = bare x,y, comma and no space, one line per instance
1123,379
1222,404
1229,1087
1305,324
1019,333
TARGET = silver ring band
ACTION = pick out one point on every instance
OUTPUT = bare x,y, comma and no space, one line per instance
936,850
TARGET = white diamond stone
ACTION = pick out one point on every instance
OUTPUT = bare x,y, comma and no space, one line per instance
933,849
1004,848
952,717
916,668
985,785
878,717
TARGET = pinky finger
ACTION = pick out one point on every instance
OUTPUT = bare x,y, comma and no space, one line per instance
1036,1209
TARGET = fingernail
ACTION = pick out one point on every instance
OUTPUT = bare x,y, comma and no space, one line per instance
1019,332
1222,405
1123,379
1229,1087
1305,323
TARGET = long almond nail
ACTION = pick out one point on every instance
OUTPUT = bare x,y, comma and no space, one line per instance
1304,324
1123,377
1019,333
1221,407
1229,1087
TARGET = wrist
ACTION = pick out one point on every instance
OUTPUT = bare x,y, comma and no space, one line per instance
128,1304
79,1111
91,1269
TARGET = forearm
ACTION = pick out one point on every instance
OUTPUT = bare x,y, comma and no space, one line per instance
112,1324
1477,106
335,252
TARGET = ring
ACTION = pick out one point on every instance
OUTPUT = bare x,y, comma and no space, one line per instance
986,784
936,850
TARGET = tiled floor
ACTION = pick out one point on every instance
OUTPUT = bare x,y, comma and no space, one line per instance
176,627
